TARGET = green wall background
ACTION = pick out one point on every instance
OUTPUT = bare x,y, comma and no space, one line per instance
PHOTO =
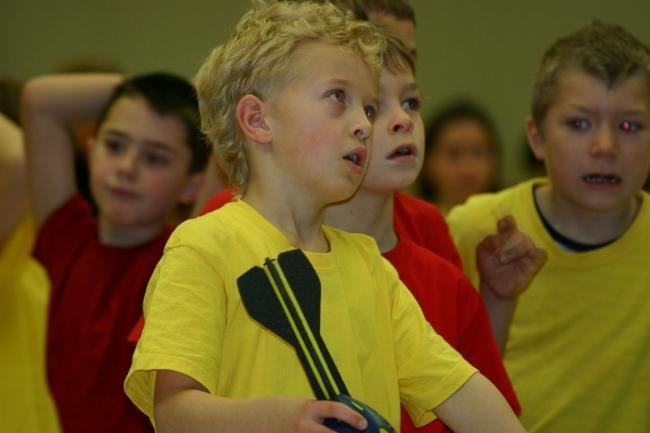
487,50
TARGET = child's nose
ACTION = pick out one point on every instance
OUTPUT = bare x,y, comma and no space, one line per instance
402,122
363,127
128,164
604,142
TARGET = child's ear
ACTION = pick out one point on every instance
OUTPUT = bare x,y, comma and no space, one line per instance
192,188
535,138
250,115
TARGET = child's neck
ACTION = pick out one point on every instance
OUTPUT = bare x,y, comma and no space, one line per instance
367,213
300,222
585,226
127,236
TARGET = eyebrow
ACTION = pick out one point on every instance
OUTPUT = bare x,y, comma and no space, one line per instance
159,145
337,82
632,112
411,87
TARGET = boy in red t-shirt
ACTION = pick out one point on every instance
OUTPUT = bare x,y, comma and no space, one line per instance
144,159
447,298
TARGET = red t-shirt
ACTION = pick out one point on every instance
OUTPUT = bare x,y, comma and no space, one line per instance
422,222
413,219
96,299
455,310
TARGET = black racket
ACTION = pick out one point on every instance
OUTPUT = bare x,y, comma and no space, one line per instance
284,296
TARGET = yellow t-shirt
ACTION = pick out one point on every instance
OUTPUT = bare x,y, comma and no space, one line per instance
196,324
579,347
25,402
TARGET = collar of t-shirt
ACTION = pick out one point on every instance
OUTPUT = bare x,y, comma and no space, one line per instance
563,241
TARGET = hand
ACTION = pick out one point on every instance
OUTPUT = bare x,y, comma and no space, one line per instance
309,416
508,260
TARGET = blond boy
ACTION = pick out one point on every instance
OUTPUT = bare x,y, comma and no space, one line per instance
290,99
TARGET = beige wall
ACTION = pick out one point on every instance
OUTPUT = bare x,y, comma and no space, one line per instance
484,49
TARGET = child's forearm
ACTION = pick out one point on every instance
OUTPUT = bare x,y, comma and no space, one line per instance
478,407
192,410
500,312
50,106
182,405
70,98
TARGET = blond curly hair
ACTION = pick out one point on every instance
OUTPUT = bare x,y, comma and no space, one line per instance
255,61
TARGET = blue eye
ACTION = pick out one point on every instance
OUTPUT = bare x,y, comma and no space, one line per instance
579,124
337,95
371,112
412,104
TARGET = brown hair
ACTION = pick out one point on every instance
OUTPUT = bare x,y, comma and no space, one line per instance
605,51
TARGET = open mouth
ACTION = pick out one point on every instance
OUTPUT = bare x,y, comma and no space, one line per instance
602,179
356,157
402,151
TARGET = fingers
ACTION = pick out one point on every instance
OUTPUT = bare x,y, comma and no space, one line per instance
515,247
538,257
316,411
507,224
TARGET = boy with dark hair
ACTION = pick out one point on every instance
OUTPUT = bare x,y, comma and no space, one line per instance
288,102
578,346
397,15
144,159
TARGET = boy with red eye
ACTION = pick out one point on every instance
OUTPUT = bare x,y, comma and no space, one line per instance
145,158
577,351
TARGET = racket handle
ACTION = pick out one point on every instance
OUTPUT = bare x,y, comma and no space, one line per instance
376,422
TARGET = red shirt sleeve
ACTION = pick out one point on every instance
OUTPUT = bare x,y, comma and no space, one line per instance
217,201
422,222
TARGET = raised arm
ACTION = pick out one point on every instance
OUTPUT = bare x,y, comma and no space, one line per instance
507,262
13,177
182,405
50,107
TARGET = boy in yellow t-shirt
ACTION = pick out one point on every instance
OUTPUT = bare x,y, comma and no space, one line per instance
578,346
289,101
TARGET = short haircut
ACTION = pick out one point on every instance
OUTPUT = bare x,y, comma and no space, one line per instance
167,95
256,60
397,58
400,9
605,51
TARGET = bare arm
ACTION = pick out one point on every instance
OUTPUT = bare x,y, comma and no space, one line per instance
182,405
500,313
50,107
478,407
13,177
